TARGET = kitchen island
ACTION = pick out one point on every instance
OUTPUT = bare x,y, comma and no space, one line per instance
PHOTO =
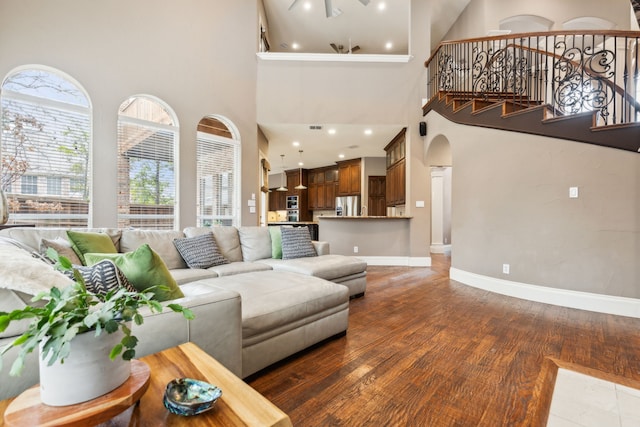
381,240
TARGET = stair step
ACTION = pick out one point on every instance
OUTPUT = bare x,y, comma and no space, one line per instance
526,116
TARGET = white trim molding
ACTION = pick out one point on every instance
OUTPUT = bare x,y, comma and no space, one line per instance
397,261
621,306
331,57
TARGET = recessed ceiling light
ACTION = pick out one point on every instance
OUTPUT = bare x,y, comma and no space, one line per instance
388,45
295,45
332,131
382,5
307,5
368,131
341,156
296,144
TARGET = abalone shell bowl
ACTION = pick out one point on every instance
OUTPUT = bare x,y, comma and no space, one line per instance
186,396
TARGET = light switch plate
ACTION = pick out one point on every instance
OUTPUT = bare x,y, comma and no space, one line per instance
419,203
573,192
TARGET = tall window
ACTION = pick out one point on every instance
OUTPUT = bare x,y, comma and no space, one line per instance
44,148
147,146
218,174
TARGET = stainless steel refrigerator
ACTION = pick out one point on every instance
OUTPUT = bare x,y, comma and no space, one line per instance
348,206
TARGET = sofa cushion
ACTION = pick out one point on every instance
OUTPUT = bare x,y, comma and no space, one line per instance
273,300
238,268
32,236
255,242
88,241
62,247
200,251
161,241
144,268
186,275
296,243
328,267
226,237
276,242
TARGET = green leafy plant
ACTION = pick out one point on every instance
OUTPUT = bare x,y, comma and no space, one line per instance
73,310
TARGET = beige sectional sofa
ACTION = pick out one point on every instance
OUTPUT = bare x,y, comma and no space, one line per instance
250,312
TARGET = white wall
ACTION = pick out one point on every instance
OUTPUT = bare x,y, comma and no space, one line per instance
190,54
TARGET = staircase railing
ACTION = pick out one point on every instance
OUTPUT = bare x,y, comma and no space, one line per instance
572,72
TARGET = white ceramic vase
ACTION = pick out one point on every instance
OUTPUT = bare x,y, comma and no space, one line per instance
86,373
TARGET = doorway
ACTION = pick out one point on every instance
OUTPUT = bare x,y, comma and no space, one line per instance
441,209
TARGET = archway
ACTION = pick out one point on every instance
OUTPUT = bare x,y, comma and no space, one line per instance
439,160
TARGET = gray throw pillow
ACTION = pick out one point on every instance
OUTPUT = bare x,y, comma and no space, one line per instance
62,247
102,277
200,251
296,243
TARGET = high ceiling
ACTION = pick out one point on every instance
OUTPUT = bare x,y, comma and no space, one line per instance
370,27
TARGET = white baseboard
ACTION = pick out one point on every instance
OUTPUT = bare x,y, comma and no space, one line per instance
621,306
397,261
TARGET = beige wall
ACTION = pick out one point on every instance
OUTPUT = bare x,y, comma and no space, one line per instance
511,205
481,16
190,54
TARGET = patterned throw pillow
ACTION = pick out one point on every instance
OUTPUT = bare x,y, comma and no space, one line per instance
296,243
200,251
103,277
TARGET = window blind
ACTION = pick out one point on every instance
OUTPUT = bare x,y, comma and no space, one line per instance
45,149
147,142
218,177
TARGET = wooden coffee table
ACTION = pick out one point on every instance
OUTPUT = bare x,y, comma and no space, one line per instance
240,405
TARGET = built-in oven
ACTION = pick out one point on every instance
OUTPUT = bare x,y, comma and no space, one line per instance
292,202
292,215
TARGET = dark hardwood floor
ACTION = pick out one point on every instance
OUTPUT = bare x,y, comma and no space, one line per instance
423,350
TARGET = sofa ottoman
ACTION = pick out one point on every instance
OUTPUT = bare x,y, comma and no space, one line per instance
345,270
283,313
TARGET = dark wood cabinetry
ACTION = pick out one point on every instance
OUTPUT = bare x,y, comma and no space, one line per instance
277,200
322,188
294,180
396,170
349,177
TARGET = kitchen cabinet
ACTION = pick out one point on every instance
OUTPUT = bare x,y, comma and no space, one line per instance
277,200
396,170
322,188
293,180
349,177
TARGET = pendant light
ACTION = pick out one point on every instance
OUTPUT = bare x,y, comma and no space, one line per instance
283,181
300,187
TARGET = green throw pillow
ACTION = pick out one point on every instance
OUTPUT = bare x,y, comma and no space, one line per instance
85,241
276,242
143,268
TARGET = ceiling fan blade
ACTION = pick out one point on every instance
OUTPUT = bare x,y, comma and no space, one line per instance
328,8
364,2
293,4
333,45
355,48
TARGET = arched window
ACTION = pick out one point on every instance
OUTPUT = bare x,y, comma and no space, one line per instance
147,171
218,172
45,147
